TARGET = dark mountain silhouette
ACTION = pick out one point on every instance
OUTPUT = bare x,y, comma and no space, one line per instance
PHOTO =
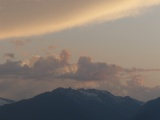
150,111
4,101
70,104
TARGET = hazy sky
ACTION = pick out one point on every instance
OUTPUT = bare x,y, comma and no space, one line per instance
103,44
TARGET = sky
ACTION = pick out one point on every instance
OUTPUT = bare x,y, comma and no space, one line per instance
104,44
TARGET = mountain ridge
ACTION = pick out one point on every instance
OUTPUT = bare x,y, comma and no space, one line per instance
149,111
4,101
68,103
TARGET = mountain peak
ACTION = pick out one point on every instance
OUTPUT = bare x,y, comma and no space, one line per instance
72,104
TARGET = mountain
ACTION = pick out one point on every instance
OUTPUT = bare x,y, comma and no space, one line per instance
4,101
150,111
70,104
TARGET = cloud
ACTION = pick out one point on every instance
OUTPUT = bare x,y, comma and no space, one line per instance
133,87
59,67
89,71
20,42
134,70
136,88
12,69
24,79
9,55
52,47
36,17
38,68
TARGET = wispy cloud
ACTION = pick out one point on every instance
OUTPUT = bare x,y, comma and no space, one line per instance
34,17
9,55
20,42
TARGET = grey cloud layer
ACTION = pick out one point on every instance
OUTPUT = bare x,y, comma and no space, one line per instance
59,66
36,68
89,71
39,74
34,17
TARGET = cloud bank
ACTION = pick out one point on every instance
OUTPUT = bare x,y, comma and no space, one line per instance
35,17
24,79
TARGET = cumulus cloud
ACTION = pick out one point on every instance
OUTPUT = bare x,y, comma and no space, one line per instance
135,87
37,67
136,80
38,74
35,17
90,71
12,69
50,67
